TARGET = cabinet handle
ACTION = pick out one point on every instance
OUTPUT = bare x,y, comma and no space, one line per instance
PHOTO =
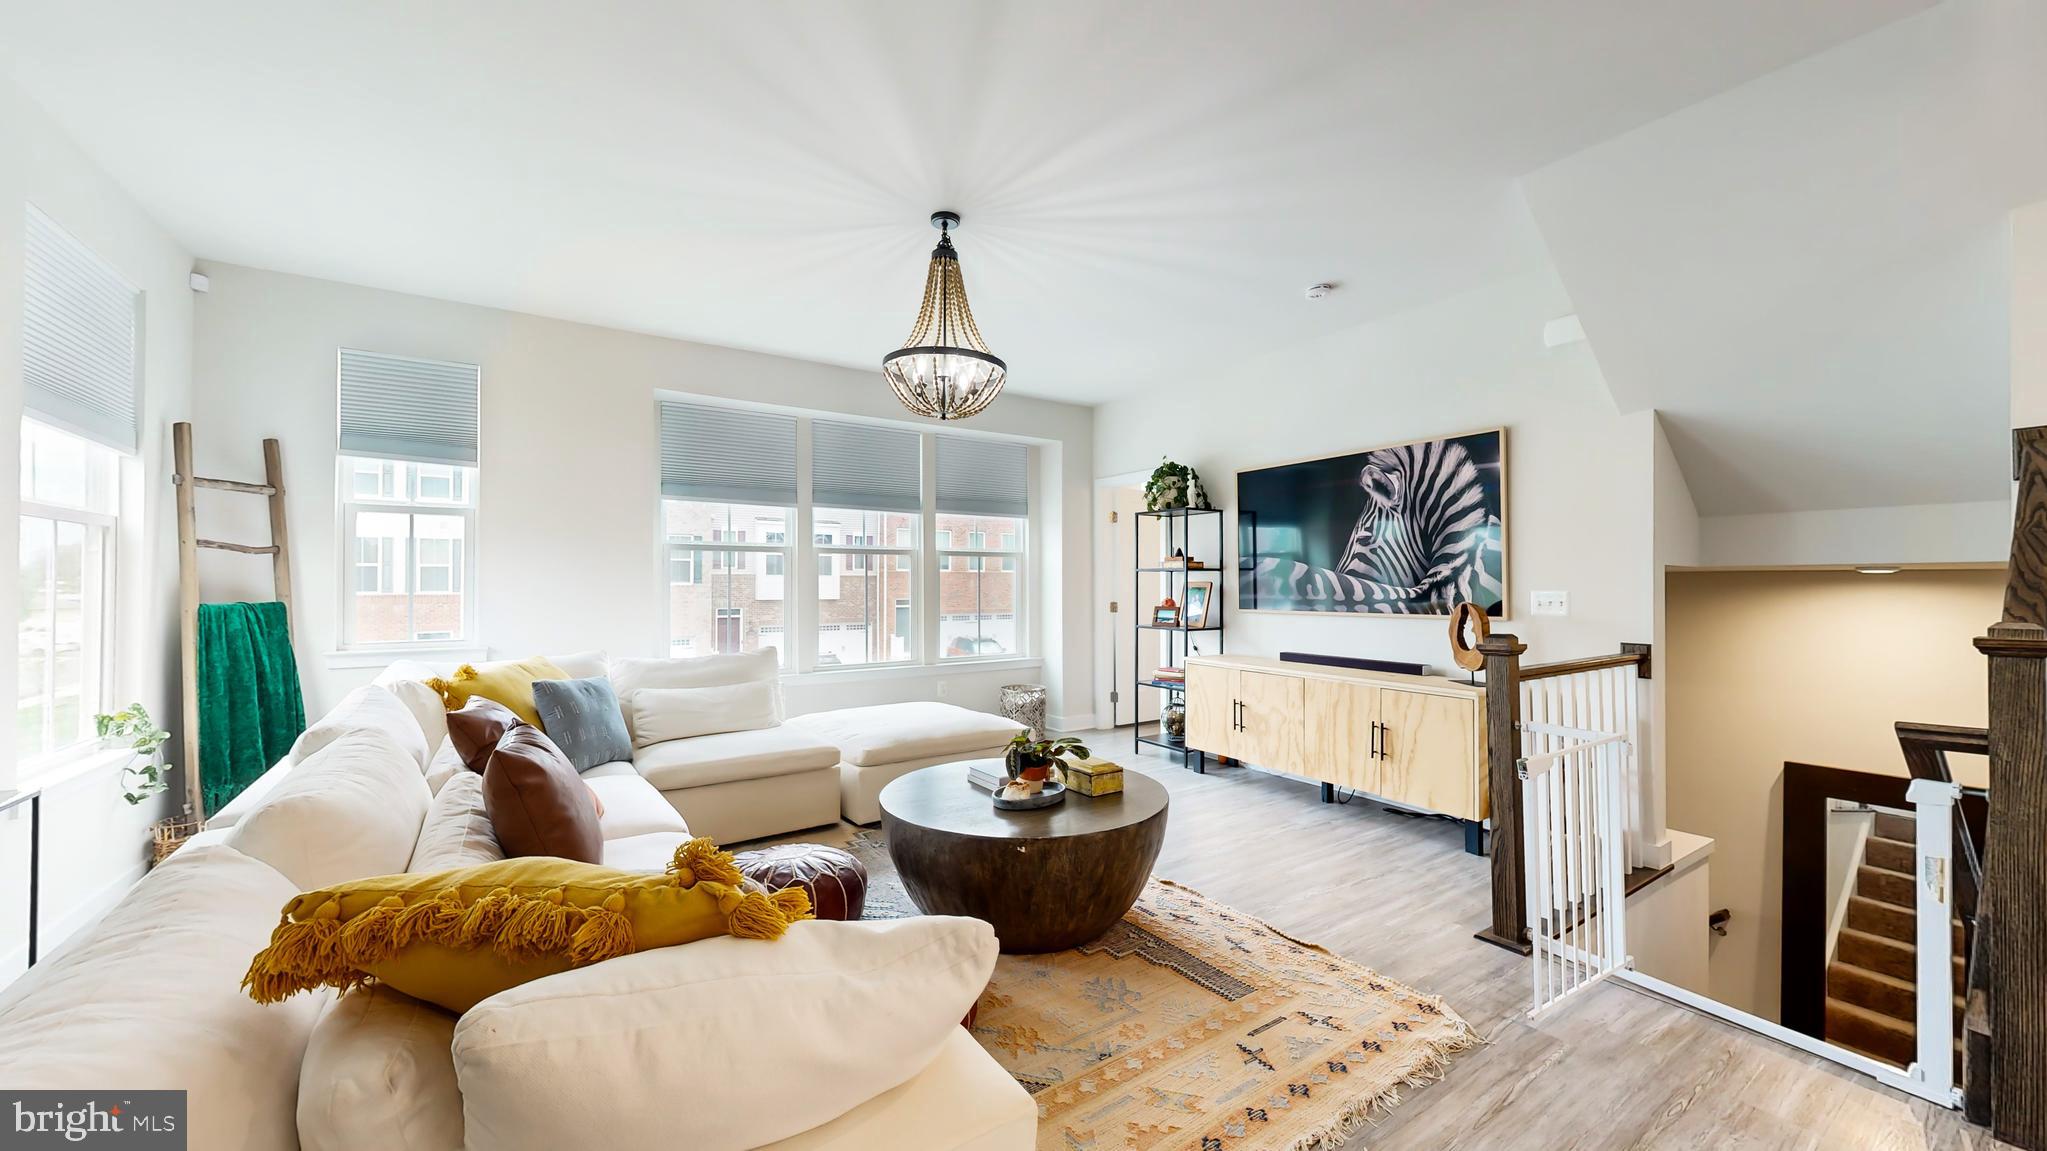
1374,753
1385,742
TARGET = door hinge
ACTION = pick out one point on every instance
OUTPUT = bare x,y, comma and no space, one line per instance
1114,698
1112,516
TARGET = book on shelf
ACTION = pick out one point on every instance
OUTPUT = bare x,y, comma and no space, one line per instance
1170,675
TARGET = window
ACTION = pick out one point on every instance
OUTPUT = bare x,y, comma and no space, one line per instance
733,600
864,588
80,325
64,633
872,553
982,496
408,513
411,555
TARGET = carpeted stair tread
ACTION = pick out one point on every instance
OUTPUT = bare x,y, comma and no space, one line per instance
1884,994
1897,827
1885,886
1890,854
1875,1034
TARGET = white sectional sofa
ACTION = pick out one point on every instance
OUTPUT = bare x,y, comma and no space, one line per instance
149,997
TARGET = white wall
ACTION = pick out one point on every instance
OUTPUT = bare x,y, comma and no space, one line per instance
2029,316
1978,532
94,842
1578,473
569,551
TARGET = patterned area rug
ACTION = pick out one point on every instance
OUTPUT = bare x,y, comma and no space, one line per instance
1194,1026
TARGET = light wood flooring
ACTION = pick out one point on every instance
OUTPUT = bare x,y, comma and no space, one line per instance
1617,1069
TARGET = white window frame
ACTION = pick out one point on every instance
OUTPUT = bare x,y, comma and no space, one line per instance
407,566
865,561
101,628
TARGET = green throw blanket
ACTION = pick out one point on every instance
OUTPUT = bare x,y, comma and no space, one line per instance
250,709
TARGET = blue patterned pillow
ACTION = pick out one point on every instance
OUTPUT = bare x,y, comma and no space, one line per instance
581,716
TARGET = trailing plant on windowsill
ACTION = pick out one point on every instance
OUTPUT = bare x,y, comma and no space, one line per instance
1174,486
149,774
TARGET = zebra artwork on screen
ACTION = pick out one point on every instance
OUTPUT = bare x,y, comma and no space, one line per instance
1410,529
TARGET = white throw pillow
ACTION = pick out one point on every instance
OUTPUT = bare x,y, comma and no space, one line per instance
352,810
371,708
599,1056
632,675
444,766
149,999
457,831
378,1075
582,664
660,714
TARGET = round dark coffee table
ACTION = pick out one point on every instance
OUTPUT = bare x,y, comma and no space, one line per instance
1048,879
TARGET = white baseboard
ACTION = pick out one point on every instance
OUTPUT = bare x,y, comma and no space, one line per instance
1085,721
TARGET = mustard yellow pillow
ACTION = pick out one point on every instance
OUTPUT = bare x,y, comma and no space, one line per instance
458,937
509,682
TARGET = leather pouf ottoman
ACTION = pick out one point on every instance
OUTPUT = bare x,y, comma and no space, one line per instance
836,881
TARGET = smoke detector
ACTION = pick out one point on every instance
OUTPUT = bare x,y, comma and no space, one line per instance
1317,291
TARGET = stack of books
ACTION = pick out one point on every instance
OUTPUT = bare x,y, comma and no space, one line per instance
1170,675
987,778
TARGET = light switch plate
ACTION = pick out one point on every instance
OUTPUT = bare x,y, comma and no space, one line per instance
1549,603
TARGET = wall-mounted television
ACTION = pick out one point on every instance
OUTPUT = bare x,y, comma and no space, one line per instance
1410,530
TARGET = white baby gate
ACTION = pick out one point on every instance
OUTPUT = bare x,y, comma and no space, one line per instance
1574,804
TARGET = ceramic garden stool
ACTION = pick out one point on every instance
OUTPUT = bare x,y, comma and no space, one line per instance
836,881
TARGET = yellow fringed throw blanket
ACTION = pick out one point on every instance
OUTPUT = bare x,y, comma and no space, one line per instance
458,937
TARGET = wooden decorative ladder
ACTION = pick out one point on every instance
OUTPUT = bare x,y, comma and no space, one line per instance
189,543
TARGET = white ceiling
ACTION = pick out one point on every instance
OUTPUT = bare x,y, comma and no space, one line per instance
1809,275
1146,186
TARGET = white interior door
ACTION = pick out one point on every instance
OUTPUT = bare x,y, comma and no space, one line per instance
1120,654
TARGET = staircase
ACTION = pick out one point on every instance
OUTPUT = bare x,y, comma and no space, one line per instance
1872,1006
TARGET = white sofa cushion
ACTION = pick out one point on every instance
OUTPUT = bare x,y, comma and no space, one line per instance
598,1056
615,767
149,999
457,831
378,1075
372,708
892,732
632,806
660,714
352,810
732,755
651,852
962,1101
447,761
631,675
250,797
406,679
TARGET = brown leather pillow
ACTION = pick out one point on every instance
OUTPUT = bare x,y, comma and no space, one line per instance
476,729
537,803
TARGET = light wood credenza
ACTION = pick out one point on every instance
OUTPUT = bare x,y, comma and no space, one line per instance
1418,741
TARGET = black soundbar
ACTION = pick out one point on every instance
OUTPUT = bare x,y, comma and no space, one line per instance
1351,661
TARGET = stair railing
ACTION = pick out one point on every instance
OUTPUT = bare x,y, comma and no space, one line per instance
1573,795
1934,807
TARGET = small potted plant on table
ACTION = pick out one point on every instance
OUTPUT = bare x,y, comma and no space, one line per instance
1032,768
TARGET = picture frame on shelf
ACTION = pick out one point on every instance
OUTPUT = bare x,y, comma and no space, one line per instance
1166,615
1200,594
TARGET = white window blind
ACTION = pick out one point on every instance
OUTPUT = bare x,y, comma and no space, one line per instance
727,455
78,337
865,467
983,477
401,408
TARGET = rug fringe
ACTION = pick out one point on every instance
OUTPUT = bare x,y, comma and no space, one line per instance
1430,1063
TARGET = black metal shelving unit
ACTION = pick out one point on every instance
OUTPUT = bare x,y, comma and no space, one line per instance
1176,529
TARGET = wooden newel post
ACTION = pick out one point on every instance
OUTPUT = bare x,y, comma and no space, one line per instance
2012,911
1509,927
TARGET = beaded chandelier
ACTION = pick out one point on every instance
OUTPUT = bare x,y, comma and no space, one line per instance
945,370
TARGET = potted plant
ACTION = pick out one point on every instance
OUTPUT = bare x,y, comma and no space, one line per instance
1174,486
148,774
1033,759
